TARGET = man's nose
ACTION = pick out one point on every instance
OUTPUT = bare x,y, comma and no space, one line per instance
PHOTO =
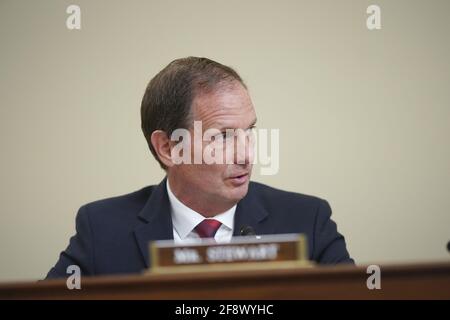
244,148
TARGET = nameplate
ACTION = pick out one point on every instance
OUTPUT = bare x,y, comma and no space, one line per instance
256,251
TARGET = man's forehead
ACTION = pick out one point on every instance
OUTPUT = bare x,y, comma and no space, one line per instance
223,106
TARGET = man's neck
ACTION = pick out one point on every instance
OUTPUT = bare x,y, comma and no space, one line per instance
206,207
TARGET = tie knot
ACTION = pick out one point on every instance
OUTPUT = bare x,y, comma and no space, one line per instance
207,228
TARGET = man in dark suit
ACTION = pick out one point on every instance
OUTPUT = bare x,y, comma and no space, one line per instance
198,198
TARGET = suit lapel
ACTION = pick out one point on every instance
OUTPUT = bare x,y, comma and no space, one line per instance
250,212
156,221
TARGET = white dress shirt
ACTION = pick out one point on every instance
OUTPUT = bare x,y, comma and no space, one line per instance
184,221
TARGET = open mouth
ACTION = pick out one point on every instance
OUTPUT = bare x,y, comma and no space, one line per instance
240,176
240,179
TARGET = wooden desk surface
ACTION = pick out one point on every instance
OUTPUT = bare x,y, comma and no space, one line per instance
413,281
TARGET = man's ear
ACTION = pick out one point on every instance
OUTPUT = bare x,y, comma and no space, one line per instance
161,144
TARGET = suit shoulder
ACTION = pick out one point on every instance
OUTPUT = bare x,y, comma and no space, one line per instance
127,203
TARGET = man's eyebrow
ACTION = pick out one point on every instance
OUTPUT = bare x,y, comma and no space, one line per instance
250,126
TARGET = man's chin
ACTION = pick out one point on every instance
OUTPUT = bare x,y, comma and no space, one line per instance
238,192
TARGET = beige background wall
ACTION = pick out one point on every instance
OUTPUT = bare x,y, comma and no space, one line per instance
364,115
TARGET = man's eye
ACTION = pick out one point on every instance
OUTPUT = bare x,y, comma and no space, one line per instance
222,135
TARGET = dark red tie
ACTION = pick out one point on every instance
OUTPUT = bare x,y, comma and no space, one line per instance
207,228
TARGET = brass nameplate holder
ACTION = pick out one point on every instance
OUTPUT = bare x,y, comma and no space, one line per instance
245,252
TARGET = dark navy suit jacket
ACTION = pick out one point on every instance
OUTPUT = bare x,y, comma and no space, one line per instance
112,235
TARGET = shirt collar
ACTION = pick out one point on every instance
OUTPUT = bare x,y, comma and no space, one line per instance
185,219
